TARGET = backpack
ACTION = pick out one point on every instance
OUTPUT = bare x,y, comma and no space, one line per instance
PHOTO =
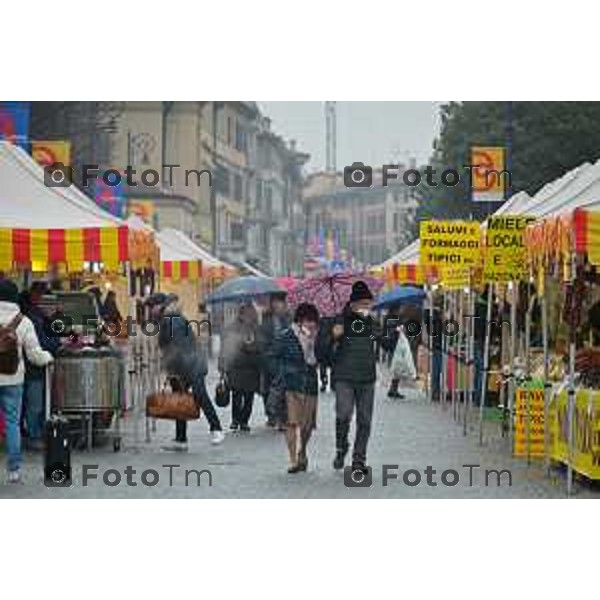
9,347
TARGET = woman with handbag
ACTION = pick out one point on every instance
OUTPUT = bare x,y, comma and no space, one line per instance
186,367
240,364
297,370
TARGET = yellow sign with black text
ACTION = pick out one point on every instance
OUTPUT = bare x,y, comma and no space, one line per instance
453,244
505,257
529,424
585,455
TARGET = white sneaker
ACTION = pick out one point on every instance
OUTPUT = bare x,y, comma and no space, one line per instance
218,437
14,476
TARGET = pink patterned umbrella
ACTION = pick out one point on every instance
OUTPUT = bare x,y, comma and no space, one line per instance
330,293
288,283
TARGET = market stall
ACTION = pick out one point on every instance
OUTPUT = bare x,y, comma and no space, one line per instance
57,233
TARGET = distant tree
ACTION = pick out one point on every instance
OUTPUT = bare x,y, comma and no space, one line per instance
548,139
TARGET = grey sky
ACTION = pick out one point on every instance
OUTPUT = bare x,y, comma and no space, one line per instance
370,132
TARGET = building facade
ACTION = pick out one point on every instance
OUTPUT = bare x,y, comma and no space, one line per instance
371,224
226,179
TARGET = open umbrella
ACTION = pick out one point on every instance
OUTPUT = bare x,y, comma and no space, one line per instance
244,288
399,295
330,293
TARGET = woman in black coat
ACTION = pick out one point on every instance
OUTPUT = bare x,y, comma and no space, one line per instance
241,364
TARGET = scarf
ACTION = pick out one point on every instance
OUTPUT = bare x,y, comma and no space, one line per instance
307,343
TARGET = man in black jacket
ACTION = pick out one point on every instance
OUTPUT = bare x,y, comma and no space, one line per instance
354,374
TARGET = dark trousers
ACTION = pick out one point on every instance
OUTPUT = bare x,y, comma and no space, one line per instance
241,406
347,397
276,404
201,396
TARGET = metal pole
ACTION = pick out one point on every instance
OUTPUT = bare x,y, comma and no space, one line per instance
429,378
544,307
486,352
469,391
571,392
444,349
527,370
511,375
452,353
460,364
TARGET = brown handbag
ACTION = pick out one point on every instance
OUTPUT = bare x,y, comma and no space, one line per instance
178,406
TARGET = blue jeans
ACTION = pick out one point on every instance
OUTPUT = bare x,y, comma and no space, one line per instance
34,406
11,400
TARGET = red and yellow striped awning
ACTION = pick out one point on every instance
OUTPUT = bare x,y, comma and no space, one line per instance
410,273
586,226
181,269
29,248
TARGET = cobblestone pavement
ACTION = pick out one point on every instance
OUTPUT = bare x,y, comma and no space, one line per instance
409,433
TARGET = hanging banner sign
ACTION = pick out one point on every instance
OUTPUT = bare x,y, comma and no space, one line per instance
505,257
449,243
14,122
529,431
144,209
48,153
488,180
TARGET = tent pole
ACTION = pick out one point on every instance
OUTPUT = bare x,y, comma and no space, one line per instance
571,389
544,307
429,378
486,360
511,375
444,349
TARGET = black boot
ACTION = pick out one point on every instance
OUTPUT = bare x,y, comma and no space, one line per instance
393,391
338,461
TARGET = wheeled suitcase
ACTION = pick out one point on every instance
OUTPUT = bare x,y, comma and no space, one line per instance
57,453
57,446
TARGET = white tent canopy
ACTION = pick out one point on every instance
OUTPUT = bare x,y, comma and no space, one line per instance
578,188
175,244
26,202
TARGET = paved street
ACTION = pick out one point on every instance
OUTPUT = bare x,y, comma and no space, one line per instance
409,433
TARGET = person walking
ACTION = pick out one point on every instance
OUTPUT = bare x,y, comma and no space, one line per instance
275,320
354,375
186,367
17,339
241,364
110,309
297,372
323,351
34,391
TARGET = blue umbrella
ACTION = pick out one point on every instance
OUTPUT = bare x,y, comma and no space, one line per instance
399,295
244,288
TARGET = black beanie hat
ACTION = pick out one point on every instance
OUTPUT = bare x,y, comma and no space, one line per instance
360,291
9,292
